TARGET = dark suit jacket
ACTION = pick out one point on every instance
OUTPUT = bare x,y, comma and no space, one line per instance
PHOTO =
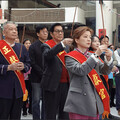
8,79
35,54
52,67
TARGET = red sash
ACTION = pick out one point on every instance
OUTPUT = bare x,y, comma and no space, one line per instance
11,57
95,79
60,55
105,76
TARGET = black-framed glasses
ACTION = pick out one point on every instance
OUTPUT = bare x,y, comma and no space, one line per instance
59,31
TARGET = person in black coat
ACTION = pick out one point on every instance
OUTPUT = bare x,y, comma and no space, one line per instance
55,81
35,54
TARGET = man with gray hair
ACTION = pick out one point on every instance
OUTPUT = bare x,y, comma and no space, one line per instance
12,85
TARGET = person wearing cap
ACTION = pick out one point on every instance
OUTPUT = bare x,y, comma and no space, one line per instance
55,79
35,54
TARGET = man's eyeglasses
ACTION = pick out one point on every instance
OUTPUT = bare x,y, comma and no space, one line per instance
59,31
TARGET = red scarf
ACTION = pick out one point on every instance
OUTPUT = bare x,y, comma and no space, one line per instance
95,79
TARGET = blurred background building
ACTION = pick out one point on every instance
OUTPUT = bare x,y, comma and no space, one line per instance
30,13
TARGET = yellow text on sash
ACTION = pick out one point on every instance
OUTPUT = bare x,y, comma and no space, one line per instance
61,53
96,80
13,59
6,50
102,94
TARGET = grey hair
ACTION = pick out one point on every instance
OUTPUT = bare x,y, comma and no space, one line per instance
8,22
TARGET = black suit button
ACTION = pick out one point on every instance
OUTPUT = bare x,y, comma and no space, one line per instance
84,94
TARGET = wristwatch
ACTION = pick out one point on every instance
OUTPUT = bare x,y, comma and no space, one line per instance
96,55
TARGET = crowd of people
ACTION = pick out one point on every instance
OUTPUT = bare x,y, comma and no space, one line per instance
60,78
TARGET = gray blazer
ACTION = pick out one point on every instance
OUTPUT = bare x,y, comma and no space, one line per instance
82,97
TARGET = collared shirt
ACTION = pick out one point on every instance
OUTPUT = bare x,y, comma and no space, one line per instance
86,54
10,44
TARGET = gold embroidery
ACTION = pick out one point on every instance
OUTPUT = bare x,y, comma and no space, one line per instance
96,80
6,50
13,59
61,53
102,94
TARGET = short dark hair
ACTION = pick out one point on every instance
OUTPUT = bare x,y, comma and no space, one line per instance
40,27
26,40
92,38
54,25
103,37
